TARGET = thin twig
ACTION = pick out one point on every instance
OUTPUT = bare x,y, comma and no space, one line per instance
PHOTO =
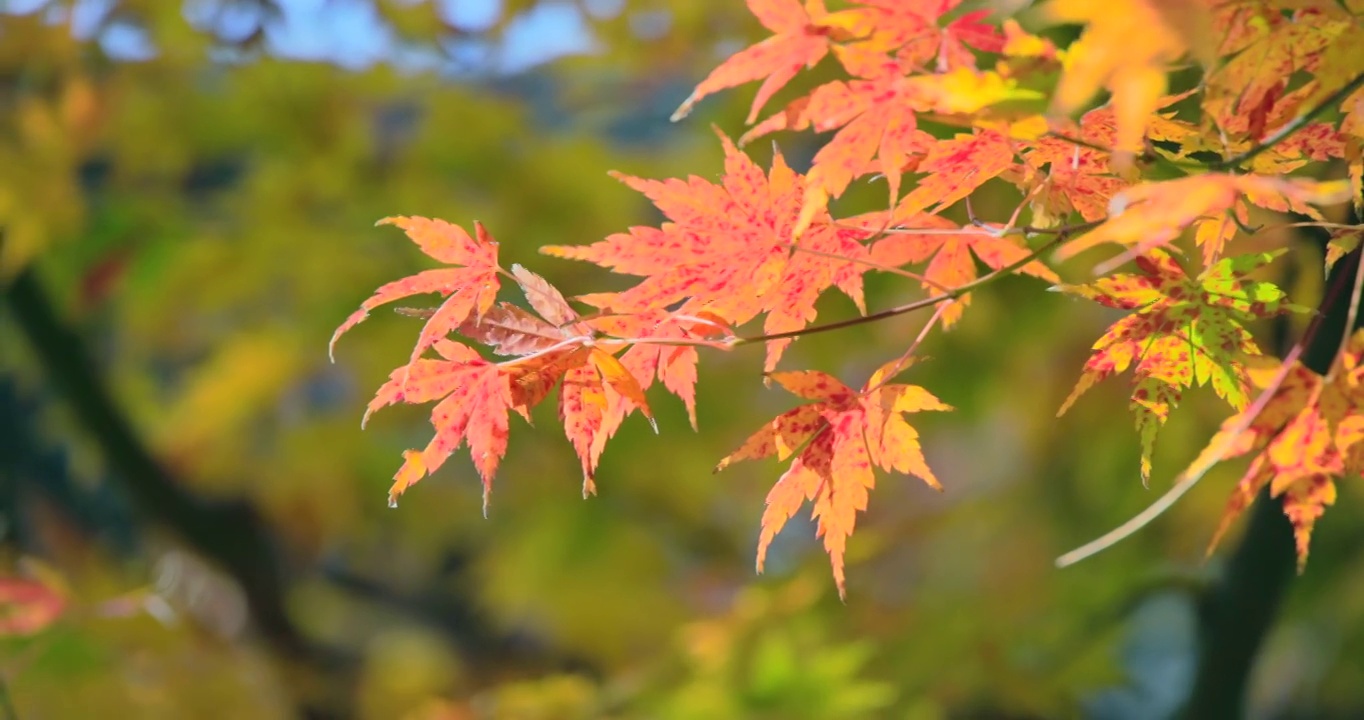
1350,316
913,347
724,344
1316,224
874,265
1187,479
979,230
1293,126
917,304
1190,477
1079,142
582,340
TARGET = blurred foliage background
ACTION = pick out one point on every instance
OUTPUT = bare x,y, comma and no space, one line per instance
187,197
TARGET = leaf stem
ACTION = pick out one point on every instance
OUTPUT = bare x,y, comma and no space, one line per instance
918,304
914,346
875,266
581,340
1291,127
1187,479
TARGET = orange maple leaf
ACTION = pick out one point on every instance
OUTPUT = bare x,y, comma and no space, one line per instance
652,354
591,391
728,250
1068,175
1310,433
475,395
1184,332
877,111
877,117
1342,242
802,37
955,168
1069,178
805,33
915,32
835,441
596,392
471,288
1153,214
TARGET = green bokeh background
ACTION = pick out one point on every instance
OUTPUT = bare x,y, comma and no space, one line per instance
202,219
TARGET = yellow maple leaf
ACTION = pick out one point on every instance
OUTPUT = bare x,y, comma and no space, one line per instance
1126,48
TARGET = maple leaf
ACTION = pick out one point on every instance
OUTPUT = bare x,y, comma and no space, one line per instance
1246,94
835,441
1342,242
1069,178
1153,214
802,38
952,263
1131,65
510,330
471,288
913,29
876,114
1185,332
653,356
1067,175
475,395
29,606
728,250
955,168
596,392
876,118
582,405
1308,434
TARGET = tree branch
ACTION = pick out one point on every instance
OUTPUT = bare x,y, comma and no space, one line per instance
917,304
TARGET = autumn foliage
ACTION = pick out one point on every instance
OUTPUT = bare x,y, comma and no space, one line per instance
1127,175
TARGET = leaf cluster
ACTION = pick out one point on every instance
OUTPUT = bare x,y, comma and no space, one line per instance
1169,182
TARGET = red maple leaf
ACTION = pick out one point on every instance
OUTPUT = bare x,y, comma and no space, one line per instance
802,37
877,117
835,441
475,394
470,288
474,408
728,250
